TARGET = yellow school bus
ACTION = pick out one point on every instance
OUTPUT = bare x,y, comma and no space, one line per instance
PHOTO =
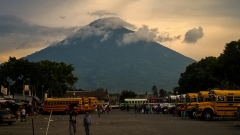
191,100
86,105
222,103
202,96
93,102
60,104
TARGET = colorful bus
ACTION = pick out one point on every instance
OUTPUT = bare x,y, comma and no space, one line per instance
156,101
151,101
131,103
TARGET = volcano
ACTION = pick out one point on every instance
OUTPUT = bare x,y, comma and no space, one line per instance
104,56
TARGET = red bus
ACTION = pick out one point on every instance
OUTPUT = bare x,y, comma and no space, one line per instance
156,101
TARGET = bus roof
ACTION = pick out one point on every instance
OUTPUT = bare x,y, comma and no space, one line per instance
225,92
203,93
160,98
133,99
62,99
192,95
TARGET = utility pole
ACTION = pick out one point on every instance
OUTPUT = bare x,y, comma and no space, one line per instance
42,92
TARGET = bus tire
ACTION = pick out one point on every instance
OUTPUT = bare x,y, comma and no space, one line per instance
208,115
191,114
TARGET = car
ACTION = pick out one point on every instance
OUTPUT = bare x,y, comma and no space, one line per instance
7,118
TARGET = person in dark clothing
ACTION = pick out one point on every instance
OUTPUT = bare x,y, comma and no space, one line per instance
99,110
72,119
135,108
127,107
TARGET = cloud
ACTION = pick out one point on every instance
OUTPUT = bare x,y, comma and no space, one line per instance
101,13
62,17
102,27
112,22
148,35
193,35
20,34
165,37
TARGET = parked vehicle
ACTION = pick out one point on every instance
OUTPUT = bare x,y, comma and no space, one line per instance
167,108
238,112
223,104
6,117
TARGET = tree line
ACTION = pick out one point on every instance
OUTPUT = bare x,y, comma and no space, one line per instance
44,76
221,72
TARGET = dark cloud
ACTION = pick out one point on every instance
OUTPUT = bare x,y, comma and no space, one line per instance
28,35
101,13
193,35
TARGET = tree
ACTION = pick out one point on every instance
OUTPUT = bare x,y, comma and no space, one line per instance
57,78
127,94
106,91
229,61
154,91
198,76
162,93
176,90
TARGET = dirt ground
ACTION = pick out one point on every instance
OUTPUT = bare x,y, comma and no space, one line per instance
124,123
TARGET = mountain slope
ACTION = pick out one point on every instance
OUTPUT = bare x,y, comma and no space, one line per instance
100,60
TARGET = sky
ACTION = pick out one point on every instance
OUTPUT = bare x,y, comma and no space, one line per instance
196,29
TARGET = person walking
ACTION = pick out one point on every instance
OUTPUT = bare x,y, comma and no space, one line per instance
87,123
147,108
99,110
108,109
23,115
183,111
72,119
135,108
128,107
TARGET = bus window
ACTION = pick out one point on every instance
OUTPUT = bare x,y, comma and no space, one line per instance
221,98
193,99
200,99
236,99
188,100
230,98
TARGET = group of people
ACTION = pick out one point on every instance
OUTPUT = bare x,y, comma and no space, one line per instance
72,112
146,108
102,109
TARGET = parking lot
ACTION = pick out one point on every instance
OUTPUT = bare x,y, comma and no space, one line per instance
124,123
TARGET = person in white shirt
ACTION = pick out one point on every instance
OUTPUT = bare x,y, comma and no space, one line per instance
23,115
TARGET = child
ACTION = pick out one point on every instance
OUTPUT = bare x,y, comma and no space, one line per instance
87,122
